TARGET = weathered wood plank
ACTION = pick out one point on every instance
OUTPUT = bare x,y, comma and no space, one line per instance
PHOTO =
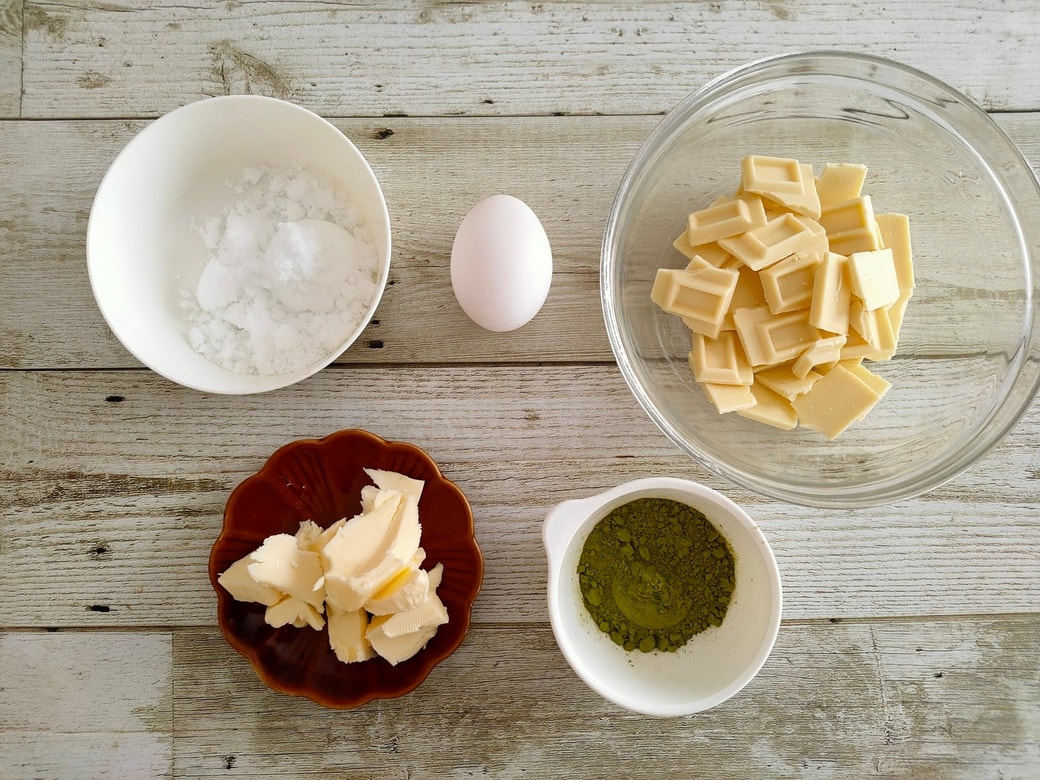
86,705
10,58
92,60
110,507
432,170
955,698
949,698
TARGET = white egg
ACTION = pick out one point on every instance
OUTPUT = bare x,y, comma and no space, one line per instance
501,264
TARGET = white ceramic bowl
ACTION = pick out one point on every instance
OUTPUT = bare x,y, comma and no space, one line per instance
713,665
143,247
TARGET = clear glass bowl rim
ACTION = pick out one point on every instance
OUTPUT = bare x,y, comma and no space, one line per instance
1024,375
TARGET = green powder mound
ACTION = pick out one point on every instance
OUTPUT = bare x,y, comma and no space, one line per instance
655,572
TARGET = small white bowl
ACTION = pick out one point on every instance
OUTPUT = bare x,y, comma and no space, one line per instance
710,668
142,250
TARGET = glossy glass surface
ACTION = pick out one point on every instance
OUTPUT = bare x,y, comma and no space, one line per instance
321,480
968,363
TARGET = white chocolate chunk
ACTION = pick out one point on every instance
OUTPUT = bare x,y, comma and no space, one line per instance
838,399
895,235
784,382
770,408
840,182
726,217
747,322
872,276
851,226
820,352
771,175
865,323
775,240
786,336
702,255
829,308
747,294
701,298
728,398
783,181
720,360
788,284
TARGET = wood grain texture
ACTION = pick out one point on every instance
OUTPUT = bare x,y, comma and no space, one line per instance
945,698
123,538
910,642
421,59
10,58
433,172
938,697
87,705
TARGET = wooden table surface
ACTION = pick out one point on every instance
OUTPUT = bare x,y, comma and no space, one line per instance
910,643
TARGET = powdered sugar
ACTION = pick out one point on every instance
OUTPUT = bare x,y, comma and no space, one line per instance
291,274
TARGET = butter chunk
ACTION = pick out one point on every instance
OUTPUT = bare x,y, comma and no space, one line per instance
347,635
895,235
406,591
392,480
701,298
783,381
785,336
292,611
237,581
725,218
837,400
840,182
309,536
785,235
831,296
788,284
353,592
728,398
398,637
720,360
770,408
280,563
361,543
872,276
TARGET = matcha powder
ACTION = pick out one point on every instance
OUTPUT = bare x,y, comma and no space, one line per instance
655,572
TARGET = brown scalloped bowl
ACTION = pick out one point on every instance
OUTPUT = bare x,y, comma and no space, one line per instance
321,480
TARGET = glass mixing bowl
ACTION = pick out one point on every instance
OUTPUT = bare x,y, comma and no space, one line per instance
968,362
